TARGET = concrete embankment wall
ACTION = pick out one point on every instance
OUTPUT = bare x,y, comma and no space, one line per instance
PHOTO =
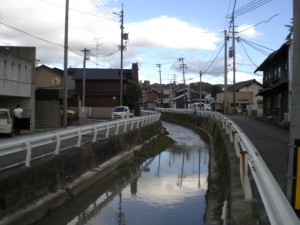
223,180
219,165
22,187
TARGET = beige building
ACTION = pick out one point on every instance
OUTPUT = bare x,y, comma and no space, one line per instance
246,98
51,78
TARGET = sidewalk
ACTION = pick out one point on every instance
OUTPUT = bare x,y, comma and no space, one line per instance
271,142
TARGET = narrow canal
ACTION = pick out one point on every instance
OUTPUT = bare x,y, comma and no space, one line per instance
166,189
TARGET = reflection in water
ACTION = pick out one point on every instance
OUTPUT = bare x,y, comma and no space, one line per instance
166,189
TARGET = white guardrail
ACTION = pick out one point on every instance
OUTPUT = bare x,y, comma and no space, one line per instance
91,132
276,204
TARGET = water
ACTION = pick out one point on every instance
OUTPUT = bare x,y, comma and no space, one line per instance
167,189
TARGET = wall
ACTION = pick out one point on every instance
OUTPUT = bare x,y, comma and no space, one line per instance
219,167
47,115
24,186
17,72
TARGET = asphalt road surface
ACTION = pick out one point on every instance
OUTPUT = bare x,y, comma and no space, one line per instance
271,142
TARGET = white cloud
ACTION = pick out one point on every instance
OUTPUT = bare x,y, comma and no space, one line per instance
248,31
170,32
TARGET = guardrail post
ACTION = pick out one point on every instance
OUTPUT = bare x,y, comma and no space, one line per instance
117,129
57,147
79,138
125,126
132,123
236,143
230,131
95,134
244,175
107,131
28,153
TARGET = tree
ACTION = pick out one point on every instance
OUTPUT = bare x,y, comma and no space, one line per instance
133,93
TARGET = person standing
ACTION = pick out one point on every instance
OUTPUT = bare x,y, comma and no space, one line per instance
18,111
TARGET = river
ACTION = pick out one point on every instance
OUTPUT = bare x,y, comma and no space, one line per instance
166,189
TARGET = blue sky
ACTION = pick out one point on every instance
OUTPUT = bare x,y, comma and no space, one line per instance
160,32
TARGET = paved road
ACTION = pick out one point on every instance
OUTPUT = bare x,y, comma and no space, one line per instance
271,142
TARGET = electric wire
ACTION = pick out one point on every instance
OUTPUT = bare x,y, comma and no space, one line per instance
265,21
79,11
247,54
102,8
258,47
59,45
213,61
250,7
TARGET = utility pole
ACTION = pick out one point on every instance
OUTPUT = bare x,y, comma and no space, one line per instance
225,73
97,50
65,78
183,67
160,89
85,57
293,175
200,89
233,57
124,36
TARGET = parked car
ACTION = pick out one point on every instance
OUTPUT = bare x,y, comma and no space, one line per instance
6,122
121,112
69,111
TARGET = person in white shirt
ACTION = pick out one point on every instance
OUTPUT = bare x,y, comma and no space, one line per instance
18,111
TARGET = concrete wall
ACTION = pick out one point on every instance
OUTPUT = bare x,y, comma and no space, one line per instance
24,186
17,86
47,115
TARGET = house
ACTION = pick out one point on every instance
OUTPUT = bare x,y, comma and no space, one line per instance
17,72
51,78
149,99
246,98
102,88
49,96
277,75
186,100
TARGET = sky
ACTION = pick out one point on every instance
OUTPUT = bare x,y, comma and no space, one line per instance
160,32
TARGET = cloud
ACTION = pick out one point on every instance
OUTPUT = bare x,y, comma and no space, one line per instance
248,31
169,32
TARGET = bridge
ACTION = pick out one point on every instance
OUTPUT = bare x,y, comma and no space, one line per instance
276,204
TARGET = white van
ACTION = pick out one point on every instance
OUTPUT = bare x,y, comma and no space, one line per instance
6,122
121,112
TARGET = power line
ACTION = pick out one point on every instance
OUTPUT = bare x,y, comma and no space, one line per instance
265,21
31,35
257,47
205,71
59,45
79,11
250,7
102,7
248,55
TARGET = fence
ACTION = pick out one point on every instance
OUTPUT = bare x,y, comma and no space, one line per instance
276,204
62,139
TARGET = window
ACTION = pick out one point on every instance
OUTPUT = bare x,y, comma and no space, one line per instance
277,100
276,73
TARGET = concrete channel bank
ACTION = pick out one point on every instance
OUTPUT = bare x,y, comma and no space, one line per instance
224,182
26,194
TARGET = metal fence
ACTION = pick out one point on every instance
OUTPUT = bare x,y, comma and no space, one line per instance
30,147
276,204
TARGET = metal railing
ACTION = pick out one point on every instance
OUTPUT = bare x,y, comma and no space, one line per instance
79,135
276,204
